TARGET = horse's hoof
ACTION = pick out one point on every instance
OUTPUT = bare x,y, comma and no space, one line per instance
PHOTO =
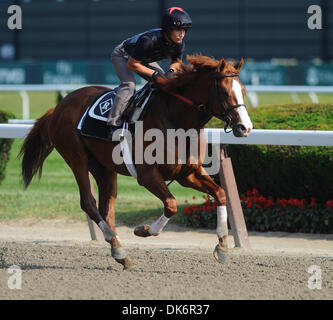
129,267
126,263
220,253
142,231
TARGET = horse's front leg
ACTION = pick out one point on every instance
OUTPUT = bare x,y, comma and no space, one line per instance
152,180
200,180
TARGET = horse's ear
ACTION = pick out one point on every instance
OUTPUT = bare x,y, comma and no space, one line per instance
240,64
221,65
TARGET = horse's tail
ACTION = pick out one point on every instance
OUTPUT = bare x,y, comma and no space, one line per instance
36,147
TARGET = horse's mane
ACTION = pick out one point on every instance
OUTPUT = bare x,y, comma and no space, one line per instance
198,65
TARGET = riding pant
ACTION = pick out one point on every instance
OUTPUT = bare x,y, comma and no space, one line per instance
119,59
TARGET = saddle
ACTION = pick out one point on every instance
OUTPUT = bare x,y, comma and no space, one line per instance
93,122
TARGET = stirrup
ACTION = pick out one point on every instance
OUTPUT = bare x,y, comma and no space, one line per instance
125,128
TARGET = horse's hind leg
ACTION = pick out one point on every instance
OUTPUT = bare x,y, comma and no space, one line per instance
107,192
75,156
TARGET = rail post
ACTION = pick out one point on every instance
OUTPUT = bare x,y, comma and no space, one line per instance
234,208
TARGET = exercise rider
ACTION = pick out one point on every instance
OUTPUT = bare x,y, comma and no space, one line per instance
140,54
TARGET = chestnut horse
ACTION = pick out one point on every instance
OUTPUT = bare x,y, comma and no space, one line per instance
202,89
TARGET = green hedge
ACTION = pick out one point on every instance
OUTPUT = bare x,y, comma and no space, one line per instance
286,171
296,116
5,145
268,214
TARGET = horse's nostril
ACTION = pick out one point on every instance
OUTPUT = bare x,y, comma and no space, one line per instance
241,127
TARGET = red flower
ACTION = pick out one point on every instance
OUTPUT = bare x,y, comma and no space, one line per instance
255,191
270,202
203,208
195,216
313,202
329,204
261,199
293,202
249,204
258,206
302,203
282,202
283,212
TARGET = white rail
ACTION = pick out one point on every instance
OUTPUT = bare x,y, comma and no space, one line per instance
290,89
273,137
50,87
264,137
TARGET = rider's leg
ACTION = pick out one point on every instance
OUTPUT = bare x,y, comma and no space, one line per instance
125,91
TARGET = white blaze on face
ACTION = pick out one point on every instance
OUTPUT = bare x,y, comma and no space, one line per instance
244,117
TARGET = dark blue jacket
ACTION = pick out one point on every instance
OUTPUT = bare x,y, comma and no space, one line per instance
152,46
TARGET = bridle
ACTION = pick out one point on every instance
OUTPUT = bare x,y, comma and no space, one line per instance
207,108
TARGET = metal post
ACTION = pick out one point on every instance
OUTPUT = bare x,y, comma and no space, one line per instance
235,212
95,232
25,105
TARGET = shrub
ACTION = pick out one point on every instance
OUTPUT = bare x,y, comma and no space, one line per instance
5,145
286,171
200,216
289,215
268,214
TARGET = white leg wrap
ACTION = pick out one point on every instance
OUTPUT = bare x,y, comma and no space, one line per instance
222,224
108,233
158,225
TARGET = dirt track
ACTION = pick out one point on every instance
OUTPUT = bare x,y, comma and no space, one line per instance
59,262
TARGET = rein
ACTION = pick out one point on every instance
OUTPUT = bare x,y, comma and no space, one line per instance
201,107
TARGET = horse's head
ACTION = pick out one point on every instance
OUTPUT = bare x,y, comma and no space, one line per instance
218,87
229,103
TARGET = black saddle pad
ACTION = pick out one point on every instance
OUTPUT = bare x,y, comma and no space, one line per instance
93,122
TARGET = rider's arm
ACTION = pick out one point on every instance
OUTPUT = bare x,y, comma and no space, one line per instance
142,49
138,67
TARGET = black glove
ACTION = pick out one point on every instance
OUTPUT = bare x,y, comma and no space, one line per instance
157,77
